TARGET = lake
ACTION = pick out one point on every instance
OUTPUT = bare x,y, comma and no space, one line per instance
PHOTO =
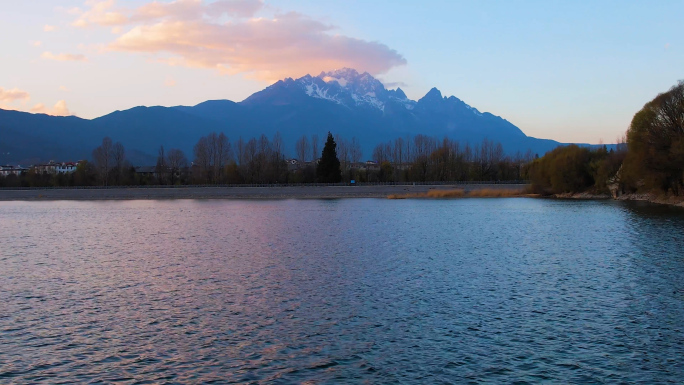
341,291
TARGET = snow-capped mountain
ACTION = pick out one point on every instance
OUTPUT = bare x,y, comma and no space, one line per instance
349,88
344,102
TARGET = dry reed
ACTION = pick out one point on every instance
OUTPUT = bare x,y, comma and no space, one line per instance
459,193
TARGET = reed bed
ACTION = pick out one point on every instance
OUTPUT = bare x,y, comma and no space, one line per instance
460,193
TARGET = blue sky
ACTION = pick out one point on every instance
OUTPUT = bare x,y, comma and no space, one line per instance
571,71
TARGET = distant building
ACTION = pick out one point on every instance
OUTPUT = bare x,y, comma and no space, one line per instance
372,166
12,170
148,171
292,164
66,168
53,167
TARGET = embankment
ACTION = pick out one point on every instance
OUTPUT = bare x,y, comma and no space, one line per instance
270,192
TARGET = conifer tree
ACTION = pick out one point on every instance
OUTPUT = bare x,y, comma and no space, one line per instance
328,170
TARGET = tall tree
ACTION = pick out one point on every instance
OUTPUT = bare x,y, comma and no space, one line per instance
302,148
102,156
314,147
202,159
162,167
177,162
328,170
119,161
355,151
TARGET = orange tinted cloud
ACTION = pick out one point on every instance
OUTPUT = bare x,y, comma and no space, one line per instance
8,96
59,109
100,13
63,57
14,95
267,49
188,33
106,12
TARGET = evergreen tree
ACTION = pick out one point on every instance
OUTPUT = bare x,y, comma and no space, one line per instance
328,170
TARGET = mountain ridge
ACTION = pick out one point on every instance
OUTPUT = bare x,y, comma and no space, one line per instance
344,101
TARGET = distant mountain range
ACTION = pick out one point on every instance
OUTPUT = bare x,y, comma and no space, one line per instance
343,102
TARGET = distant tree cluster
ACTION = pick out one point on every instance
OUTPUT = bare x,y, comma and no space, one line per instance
423,158
572,168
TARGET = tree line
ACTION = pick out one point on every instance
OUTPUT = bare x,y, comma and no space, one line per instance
262,160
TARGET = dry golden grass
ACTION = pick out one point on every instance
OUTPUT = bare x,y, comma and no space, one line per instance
459,193
496,193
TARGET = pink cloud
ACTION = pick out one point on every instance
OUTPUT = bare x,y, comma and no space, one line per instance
59,109
14,95
106,13
100,13
194,33
9,96
267,49
49,28
63,57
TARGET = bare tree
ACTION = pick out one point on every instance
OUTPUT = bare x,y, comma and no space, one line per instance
342,152
103,158
314,147
202,158
302,148
119,160
240,148
277,144
177,162
222,153
355,150
162,167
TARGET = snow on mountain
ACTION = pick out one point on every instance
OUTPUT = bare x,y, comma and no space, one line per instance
350,88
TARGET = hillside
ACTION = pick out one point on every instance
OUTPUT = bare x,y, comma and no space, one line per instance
344,102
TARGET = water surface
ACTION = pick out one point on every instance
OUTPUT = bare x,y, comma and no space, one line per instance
341,291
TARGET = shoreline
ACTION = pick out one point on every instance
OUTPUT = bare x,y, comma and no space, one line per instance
285,192
649,197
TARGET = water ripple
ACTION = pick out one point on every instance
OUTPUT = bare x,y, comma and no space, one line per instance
341,291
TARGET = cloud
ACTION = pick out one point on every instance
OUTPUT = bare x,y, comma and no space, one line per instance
170,82
36,43
49,28
63,57
13,95
196,34
100,13
667,46
64,88
59,109
267,49
390,85
9,96
105,13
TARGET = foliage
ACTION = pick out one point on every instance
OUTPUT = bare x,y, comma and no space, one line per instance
655,160
572,168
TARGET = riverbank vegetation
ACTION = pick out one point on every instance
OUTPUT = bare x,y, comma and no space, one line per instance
461,193
649,160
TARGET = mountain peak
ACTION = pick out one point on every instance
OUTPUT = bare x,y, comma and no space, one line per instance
342,73
434,95
400,93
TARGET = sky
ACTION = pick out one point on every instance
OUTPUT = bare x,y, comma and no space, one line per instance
572,71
